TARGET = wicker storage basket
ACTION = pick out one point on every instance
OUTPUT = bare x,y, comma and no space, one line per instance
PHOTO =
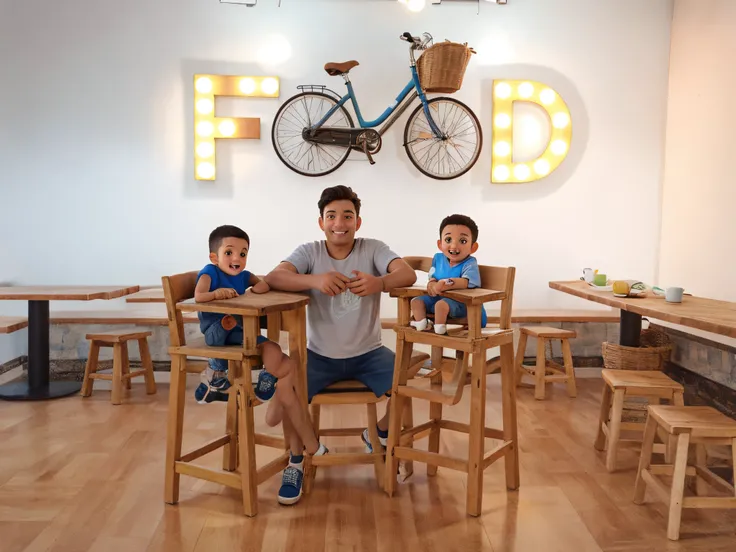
654,351
442,66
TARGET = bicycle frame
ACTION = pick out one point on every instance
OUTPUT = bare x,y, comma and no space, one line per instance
412,85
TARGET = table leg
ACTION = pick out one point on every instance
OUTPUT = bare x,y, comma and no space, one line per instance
38,387
630,329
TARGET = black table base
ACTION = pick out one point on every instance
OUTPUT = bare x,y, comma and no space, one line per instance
38,387
630,329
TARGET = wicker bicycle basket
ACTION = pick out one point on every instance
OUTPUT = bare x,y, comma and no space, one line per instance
442,66
654,351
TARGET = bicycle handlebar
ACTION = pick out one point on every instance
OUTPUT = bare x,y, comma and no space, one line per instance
416,41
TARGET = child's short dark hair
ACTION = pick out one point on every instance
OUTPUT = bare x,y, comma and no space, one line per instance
226,231
336,193
461,220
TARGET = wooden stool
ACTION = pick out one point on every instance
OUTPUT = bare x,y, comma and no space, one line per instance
699,425
118,340
353,392
620,384
546,370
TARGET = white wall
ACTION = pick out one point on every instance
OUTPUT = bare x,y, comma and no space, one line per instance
698,223
96,136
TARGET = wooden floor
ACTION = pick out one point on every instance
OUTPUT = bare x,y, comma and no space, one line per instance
82,475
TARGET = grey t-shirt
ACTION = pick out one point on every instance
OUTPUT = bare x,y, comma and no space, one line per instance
346,325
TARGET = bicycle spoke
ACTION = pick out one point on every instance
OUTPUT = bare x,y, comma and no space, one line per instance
457,150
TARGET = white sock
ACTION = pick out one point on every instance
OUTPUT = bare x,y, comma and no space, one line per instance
440,329
420,326
299,466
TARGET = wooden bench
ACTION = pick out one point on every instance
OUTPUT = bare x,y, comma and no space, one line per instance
128,317
533,316
10,324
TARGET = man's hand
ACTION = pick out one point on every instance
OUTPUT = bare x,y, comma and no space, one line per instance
365,284
332,283
260,287
225,293
434,288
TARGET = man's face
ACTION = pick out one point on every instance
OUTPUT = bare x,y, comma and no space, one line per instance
340,222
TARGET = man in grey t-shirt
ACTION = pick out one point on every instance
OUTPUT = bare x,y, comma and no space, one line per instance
345,277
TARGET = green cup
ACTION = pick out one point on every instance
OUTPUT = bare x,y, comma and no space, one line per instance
600,279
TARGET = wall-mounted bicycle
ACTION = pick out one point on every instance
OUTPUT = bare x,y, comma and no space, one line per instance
313,133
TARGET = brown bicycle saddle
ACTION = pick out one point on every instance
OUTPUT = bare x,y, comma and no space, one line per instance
334,69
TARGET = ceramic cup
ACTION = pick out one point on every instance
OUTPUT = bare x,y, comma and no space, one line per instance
588,274
600,279
673,294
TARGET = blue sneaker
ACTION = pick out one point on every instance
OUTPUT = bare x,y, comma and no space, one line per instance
291,486
220,384
265,386
367,440
204,394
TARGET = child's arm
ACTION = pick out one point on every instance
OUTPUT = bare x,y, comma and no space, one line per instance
202,294
454,283
258,285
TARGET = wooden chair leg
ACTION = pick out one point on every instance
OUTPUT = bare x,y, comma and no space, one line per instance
247,445
175,426
540,371
701,459
650,432
311,469
510,428
614,429
408,423
401,365
519,359
678,487
147,364
569,369
379,460
435,414
117,373
230,450
733,463
600,440
90,368
126,364
435,409
476,437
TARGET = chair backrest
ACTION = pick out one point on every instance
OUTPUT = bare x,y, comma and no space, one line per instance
177,288
491,277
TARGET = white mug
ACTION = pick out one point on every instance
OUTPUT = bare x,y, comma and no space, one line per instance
588,274
673,294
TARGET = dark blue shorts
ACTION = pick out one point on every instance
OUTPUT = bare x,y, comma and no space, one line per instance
457,309
374,369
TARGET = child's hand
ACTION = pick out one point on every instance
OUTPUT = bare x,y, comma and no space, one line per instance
260,287
225,293
435,288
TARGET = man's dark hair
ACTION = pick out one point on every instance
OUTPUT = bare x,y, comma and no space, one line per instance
336,193
226,231
461,220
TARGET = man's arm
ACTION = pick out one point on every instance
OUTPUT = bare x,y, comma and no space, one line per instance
400,274
286,278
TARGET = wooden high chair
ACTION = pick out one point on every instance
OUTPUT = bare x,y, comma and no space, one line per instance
240,438
498,284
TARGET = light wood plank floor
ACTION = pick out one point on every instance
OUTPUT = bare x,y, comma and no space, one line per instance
82,475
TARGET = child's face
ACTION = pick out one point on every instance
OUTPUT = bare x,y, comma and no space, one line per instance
339,222
231,256
456,243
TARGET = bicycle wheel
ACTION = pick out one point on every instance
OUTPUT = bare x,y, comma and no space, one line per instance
300,112
456,152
